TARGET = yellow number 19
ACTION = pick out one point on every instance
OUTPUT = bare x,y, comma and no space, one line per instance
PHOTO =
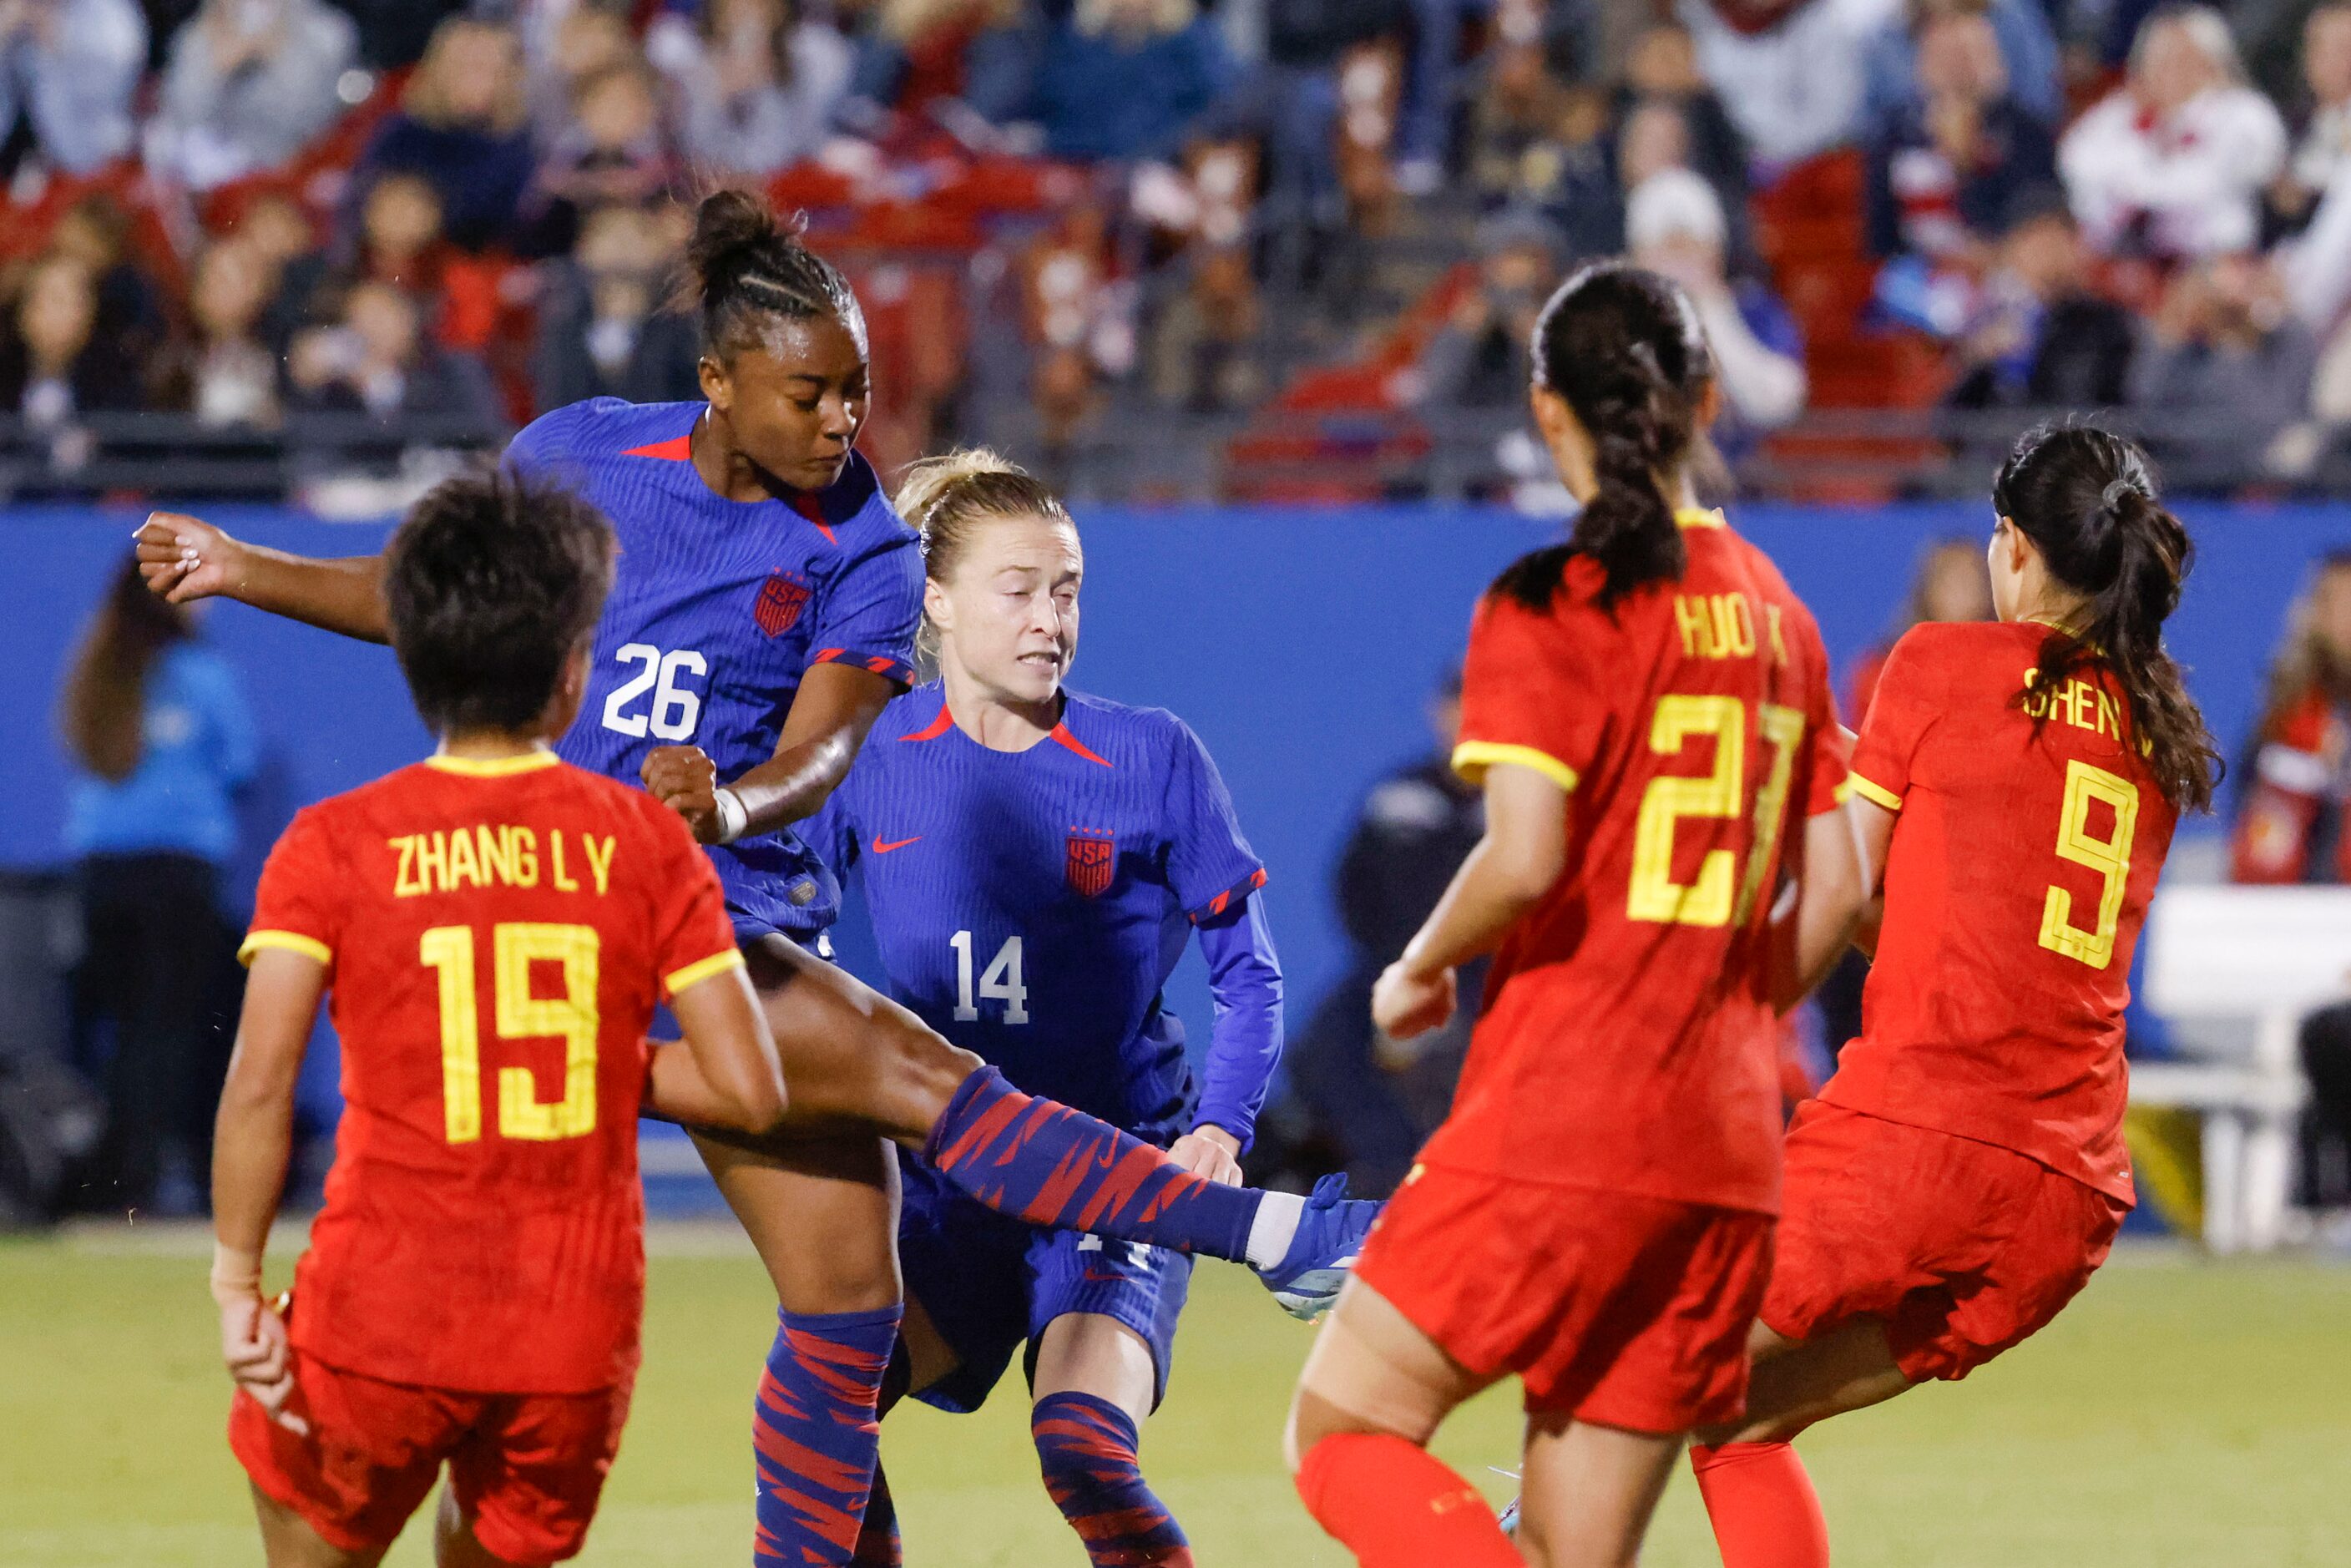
448,951
2109,857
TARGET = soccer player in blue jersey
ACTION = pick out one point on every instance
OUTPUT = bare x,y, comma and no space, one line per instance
1036,861
762,615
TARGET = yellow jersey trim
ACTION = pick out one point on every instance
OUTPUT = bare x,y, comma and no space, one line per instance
288,941
1699,517
1876,794
696,973
493,766
1472,757
1844,791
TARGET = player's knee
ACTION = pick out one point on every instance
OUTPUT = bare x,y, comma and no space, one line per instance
920,1072
1085,1448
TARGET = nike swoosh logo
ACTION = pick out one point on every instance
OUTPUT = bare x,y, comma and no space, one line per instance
881,849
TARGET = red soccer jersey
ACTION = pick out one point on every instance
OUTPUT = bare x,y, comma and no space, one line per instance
2020,874
497,934
1628,1041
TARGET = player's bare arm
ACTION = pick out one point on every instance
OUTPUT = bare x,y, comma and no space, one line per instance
1521,855
185,557
837,703
727,1075
1873,828
1831,888
253,1139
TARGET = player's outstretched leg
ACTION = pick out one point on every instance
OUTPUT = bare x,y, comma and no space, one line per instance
850,1055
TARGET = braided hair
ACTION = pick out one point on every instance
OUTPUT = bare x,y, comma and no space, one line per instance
747,266
1624,347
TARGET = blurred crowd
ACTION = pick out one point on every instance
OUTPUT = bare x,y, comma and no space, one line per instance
243,210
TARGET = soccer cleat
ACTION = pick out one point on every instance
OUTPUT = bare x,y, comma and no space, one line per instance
1330,1231
1508,1518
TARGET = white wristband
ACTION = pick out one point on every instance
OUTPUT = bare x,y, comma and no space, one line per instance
732,818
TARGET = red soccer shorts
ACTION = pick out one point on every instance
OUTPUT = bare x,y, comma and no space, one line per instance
527,1468
1619,1311
1963,1249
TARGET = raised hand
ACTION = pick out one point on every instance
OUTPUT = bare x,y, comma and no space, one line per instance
185,557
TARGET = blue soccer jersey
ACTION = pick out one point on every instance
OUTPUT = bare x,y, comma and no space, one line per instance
1029,905
716,609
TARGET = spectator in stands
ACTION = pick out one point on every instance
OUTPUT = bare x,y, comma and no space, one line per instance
1674,224
68,70
1479,359
2026,43
1203,356
753,86
2038,337
1790,71
1127,79
2289,823
615,150
161,740
1945,160
965,62
2174,164
2225,368
1663,68
280,232
2323,148
225,374
53,365
375,358
401,241
564,46
460,126
1374,1099
602,331
1529,133
130,324
1293,100
249,84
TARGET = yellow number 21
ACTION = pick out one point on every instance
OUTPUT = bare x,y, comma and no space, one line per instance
2109,857
448,950
1719,895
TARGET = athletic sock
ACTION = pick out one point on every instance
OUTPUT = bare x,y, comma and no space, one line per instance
1087,1447
1043,1163
1762,1506
877,1539
816,1435
1395,1505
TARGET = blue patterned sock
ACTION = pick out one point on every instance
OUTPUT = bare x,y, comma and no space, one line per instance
815,1435
1041,1161
1087,1447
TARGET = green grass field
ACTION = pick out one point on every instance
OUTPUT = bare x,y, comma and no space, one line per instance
2180,1413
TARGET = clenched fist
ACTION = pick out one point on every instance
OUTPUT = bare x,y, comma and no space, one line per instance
683,779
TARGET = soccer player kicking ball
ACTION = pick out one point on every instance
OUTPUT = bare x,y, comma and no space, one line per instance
496,927
1963,1174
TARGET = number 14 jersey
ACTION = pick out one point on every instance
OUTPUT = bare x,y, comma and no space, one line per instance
2023,863
1628,1041
496,935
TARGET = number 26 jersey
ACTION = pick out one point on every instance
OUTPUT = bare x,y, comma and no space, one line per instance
2023,863
1628,1040
717,609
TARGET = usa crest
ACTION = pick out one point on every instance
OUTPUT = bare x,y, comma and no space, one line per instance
780,602
1094,857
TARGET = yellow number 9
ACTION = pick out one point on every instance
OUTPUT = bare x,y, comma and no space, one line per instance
2109,857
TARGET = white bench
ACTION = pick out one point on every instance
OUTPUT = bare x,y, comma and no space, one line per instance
2254,961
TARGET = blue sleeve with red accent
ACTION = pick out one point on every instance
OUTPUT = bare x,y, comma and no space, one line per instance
1244,1041
867,614
542,448
1210,865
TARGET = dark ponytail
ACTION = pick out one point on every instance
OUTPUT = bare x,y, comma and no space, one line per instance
2084,499
1625,350
744,265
